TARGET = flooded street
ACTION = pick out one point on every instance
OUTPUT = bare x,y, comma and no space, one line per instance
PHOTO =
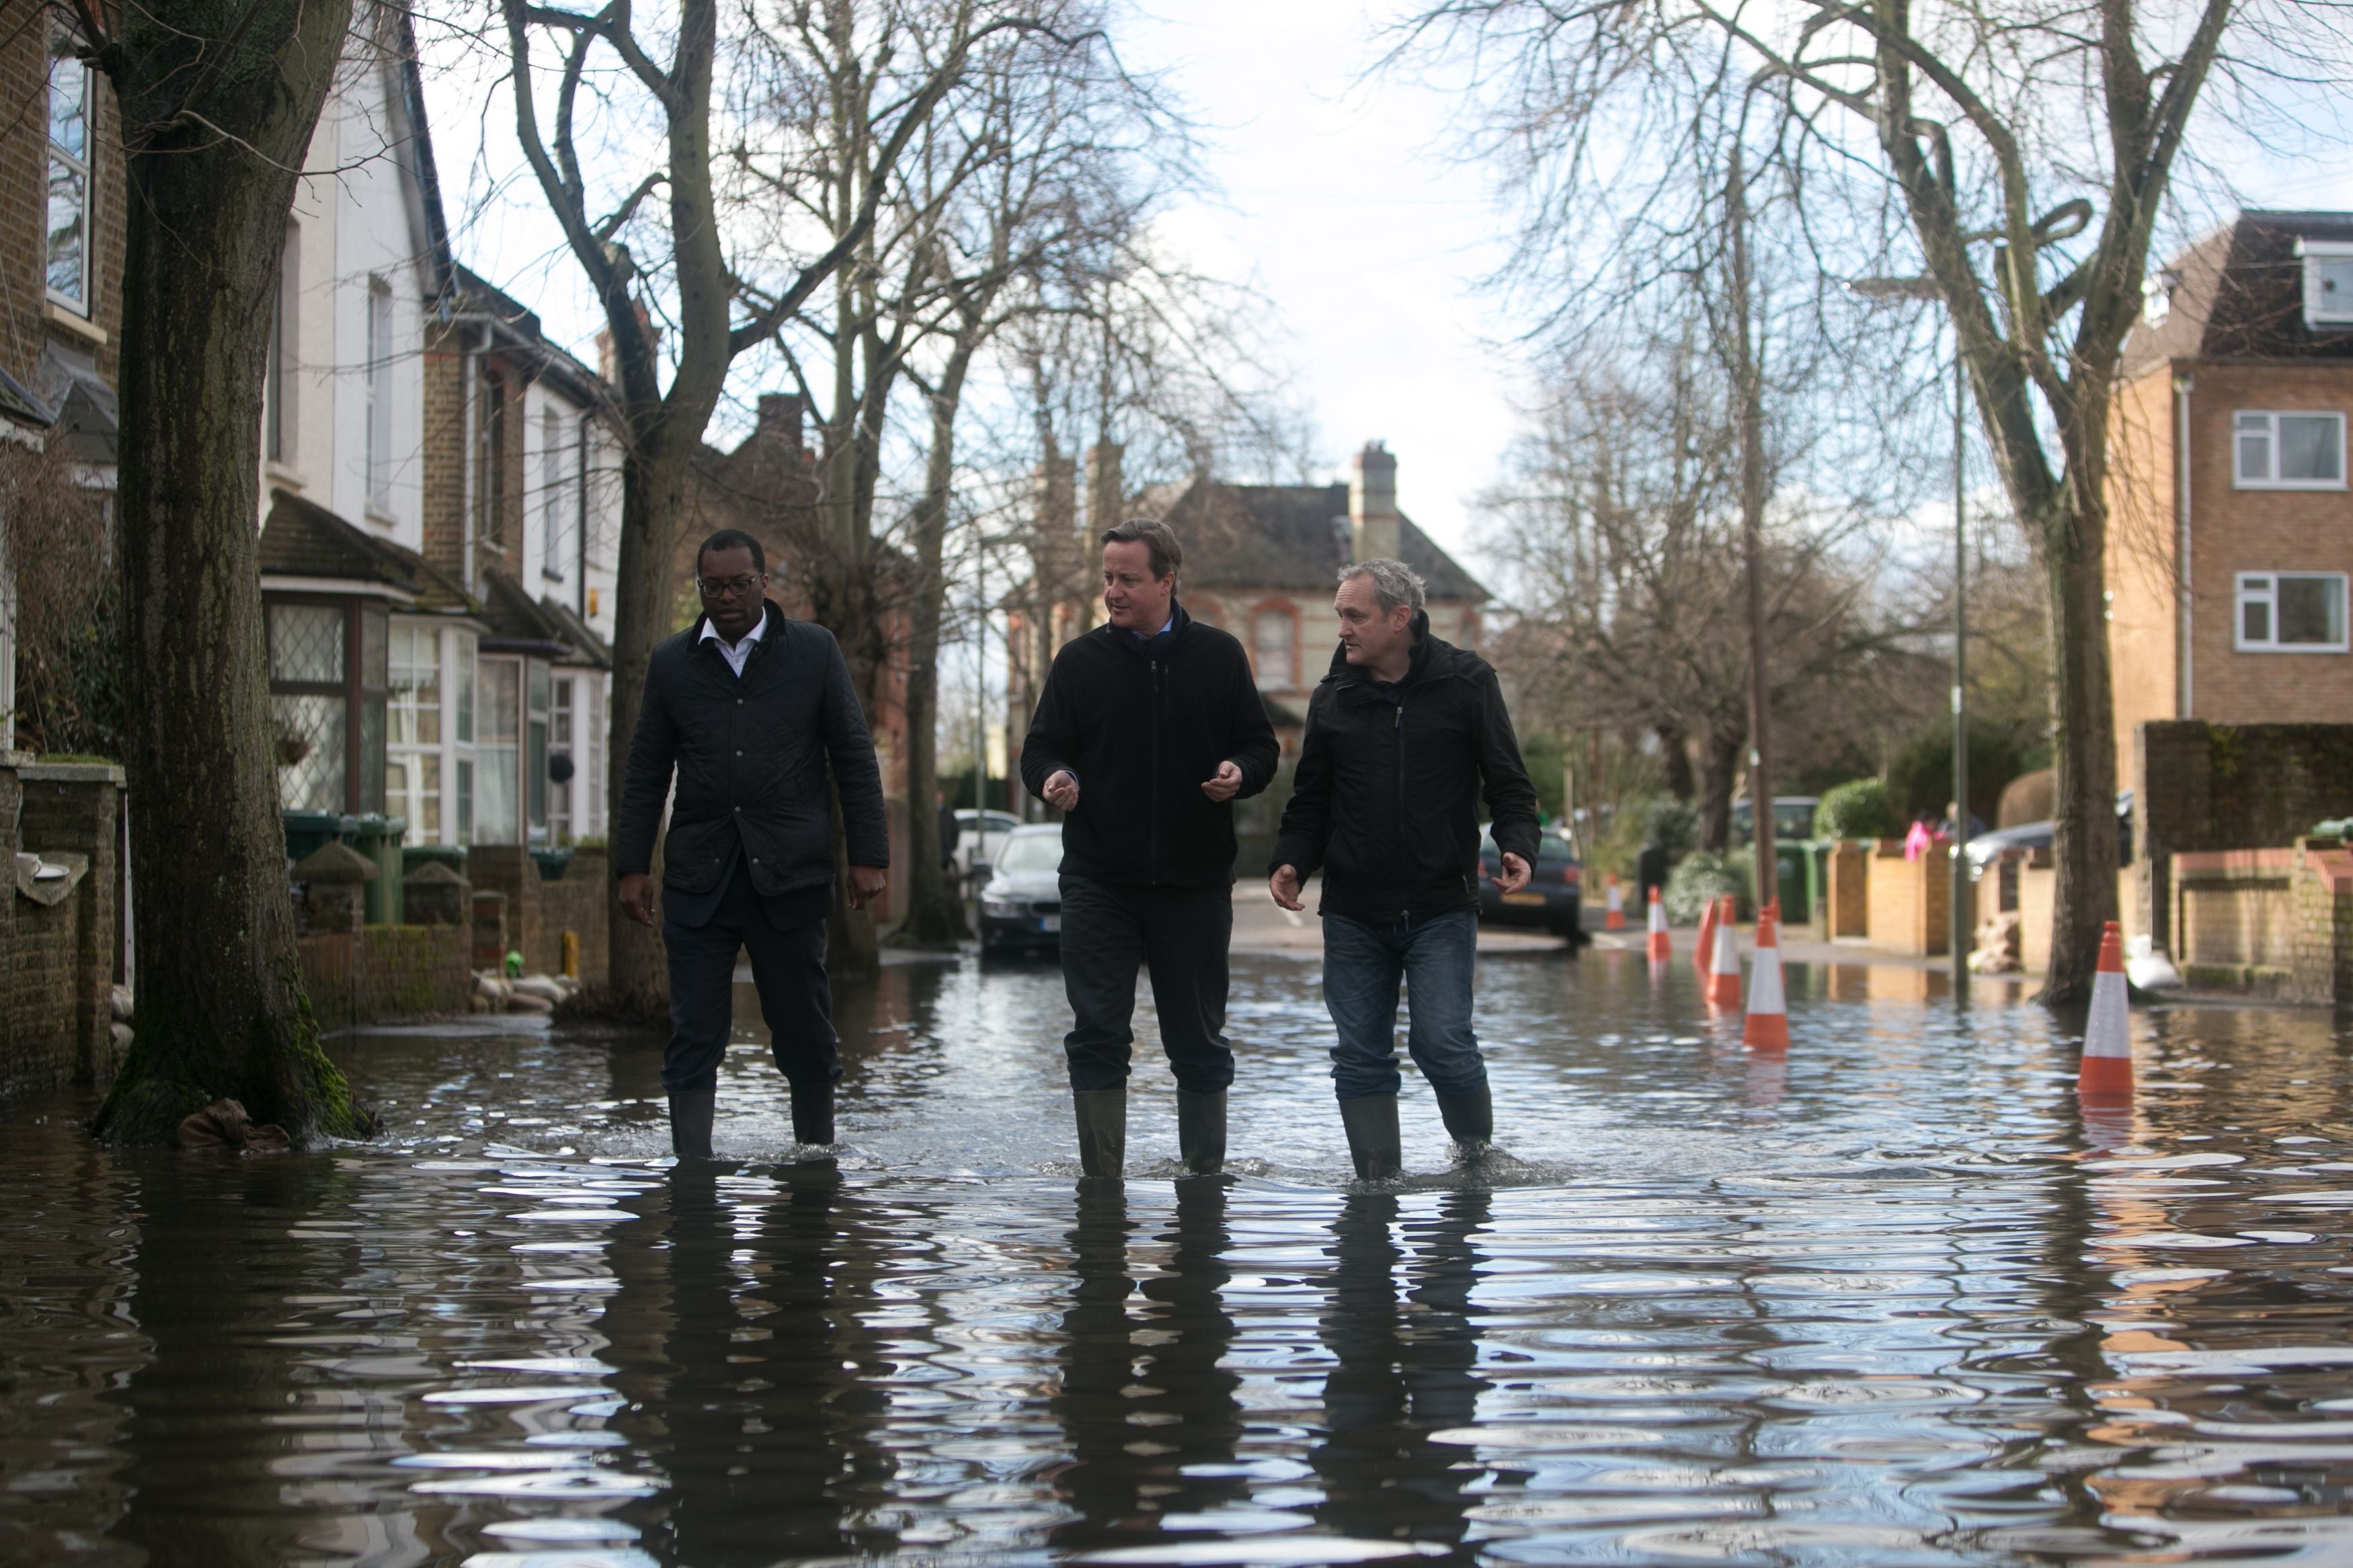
1889,1302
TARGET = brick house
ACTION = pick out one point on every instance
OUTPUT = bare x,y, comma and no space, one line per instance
1262,561
2230,533
61,240
439,514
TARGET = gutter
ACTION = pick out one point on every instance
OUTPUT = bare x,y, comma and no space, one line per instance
2185,672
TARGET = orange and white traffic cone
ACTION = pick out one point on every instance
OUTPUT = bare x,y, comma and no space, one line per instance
1723,968
1613,917
2107,1073
1663,946
1767,1026
1703,955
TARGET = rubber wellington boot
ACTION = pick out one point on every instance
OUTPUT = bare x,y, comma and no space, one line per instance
813,1114
1372,1123
1201,1131
1102,1130
1470,1117
691,1114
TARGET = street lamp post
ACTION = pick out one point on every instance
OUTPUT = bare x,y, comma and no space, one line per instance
1959,920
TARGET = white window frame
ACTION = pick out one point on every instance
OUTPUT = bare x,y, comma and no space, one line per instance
2317,311
2262,588
278,431
80,301
379,398
412,753
554,488
2238,480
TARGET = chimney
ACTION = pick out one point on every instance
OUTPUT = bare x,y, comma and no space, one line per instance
1373,523
780,420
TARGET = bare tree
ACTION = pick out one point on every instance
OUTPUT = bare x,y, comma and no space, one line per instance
1082,152
2020,151
218,100
718,305
1621,529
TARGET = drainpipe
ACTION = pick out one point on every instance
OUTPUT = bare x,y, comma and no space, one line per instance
2185,704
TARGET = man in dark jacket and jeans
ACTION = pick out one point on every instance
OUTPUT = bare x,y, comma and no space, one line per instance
1147,731
757,716
1400,736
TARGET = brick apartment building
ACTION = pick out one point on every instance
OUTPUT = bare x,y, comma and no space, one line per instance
2230,526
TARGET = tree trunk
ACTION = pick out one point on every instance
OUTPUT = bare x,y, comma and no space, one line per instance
2082,723
222,1014
653,476
1719,765
1675,761
934,904
1748,379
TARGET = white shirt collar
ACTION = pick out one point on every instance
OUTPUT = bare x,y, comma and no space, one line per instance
736,653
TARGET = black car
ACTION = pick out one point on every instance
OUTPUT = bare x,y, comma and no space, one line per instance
1554,896
1021,907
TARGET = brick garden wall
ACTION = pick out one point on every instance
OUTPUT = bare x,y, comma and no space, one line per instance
538,911
386,973
2200,787
58,962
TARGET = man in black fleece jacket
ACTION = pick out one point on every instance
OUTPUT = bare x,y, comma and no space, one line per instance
1147,731
1400,736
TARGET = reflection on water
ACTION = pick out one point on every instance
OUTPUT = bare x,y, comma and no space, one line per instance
1890,1300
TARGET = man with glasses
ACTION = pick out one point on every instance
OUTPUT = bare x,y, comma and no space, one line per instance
754,714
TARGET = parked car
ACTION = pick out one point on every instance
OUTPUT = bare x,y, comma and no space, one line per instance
1793,816
969,824
1553,898
1021,907
1984,848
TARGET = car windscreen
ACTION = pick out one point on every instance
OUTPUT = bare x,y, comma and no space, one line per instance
1032,852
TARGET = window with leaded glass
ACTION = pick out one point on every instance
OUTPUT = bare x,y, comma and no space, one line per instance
309,698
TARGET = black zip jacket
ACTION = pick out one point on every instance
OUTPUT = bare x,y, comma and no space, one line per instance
1386,799
1143,727
751,754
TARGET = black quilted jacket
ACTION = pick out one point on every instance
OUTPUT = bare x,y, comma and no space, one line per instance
751,757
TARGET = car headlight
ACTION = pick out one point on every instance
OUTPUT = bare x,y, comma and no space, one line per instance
999,909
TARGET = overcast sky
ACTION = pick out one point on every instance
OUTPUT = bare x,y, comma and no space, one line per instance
1337,196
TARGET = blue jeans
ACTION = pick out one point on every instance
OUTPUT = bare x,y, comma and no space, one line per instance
1362,964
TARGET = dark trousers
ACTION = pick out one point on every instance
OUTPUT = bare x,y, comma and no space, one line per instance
787,967
1111,930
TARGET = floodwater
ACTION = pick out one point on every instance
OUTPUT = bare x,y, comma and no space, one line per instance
1889,1301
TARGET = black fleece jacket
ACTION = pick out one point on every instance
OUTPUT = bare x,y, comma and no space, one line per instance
752,754
1142,725
1386,799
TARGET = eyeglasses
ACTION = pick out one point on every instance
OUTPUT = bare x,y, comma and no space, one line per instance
730,587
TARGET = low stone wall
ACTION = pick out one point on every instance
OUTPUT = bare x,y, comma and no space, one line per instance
1846,891
58,961
2233,918
2321,957
2271,923
2198,787
1908,904
385,972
